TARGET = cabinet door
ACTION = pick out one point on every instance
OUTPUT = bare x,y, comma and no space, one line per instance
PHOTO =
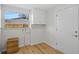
35,16
38,16
67,30
42,17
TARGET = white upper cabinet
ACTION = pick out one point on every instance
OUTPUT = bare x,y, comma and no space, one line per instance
38,16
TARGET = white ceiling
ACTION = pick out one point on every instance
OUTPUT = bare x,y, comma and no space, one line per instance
30,6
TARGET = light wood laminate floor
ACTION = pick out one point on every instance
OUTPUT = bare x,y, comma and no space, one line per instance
41,48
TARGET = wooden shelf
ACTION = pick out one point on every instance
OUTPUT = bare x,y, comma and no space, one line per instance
12,45
16,25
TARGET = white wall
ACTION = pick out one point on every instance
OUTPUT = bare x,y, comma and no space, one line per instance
51,27
0,27
38,27
38,33
52,39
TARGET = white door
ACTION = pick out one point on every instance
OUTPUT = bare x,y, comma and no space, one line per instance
67,30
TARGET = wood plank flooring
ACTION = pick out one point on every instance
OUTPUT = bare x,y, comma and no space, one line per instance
41,48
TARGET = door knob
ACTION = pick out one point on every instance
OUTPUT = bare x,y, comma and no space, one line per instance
76,35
